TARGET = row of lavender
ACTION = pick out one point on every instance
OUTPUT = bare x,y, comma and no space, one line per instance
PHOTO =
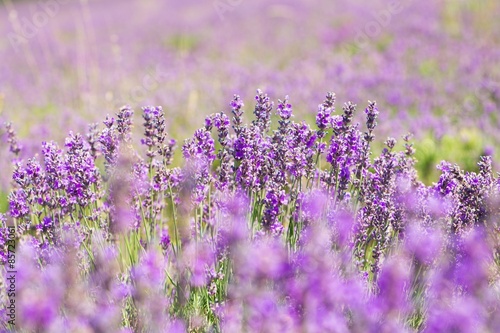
263,228
81,59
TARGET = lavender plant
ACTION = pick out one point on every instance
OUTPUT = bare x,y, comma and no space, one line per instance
263,228
404,53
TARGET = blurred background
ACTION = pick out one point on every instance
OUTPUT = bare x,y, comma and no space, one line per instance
433,66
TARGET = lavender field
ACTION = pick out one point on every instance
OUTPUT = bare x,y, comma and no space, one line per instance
249,166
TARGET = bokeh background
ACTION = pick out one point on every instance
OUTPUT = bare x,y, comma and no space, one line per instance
432,66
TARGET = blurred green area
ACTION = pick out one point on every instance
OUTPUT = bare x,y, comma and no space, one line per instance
4,202
465,149
183,43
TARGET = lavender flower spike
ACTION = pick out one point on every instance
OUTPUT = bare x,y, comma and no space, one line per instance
14,148
262,110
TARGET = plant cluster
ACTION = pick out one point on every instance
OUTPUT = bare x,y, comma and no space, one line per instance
268,226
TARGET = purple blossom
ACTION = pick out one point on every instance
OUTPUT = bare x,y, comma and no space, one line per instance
272,203
18,201
236,105
155,129
324,115
108,140
81,176
201,145
254,228
124,122
262,111
14,146
284,109
165,240
93,138
371,119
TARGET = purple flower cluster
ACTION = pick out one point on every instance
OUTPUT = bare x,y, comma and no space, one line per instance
267,228
324,115
155,129
14,146
405,54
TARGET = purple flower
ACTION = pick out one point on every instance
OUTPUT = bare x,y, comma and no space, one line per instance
46,225
155,129
124,122
262,111
109,143
301,149
53,163
416,236
14,146
202,145
284,109
221,122
325,110
236,105
93,138
19,207
371,119
165,240
273,201
81,176
323,118
393,283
